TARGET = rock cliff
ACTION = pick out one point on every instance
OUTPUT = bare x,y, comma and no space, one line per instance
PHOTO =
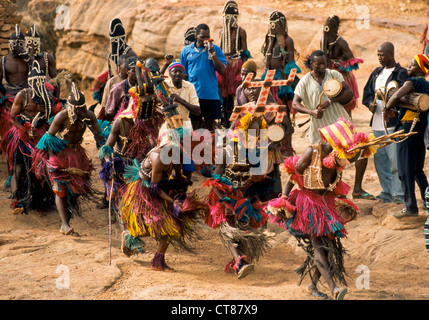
8,19
155,28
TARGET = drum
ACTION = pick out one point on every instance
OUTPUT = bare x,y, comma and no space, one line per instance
414,101
332,88
276,132
346,209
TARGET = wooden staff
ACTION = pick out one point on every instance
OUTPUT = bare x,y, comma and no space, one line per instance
110,212
384,140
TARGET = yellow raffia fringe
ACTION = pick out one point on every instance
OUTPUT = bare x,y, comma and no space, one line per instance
128,215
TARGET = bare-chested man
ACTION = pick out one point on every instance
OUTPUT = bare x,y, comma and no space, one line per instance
62,160
14,67
340,57
30,112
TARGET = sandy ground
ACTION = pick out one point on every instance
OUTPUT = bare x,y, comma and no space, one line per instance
37,262
386,259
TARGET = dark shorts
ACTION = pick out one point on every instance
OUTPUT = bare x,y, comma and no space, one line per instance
210,109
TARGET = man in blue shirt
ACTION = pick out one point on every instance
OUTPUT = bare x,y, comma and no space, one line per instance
201,60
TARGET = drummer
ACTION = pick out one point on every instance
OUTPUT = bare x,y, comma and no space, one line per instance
411,152
325,111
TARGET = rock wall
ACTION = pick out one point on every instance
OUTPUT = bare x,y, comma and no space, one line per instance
155,28
8,19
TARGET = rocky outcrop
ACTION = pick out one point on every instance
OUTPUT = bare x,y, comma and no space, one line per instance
155,28
8,20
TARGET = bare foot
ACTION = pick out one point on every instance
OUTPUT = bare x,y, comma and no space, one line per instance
68,231
314,292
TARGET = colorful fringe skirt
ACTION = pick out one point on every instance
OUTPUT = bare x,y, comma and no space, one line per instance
311,217
237,217
316,214
231,78
68,173
147,215
19,148
350,79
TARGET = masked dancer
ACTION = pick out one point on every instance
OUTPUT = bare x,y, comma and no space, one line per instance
14,68
340,57
61,159
118,47
155,201
313,207
239,186
133,133
46,61
279,52
14,71
233,42
30,113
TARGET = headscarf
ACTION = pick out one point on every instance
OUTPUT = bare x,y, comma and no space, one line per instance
423,62
131,62
251,65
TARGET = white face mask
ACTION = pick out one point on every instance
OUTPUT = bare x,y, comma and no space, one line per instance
32,43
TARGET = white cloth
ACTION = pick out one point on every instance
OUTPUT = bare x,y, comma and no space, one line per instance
380,82
309,91
188,93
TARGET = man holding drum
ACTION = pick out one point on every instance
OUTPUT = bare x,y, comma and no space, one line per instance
411,152
308,99
308,96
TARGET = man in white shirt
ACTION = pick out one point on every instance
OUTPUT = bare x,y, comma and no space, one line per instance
185,96
307,97
385,160
307,100
183,93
